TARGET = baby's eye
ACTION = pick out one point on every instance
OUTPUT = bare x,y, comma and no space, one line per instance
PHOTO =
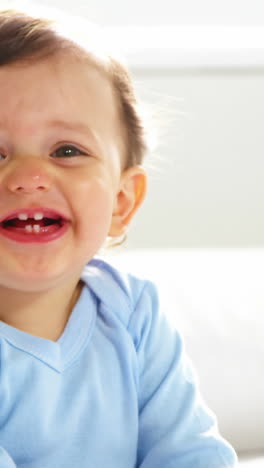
66,151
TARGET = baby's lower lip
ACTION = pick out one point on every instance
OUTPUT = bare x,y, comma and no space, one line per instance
45,234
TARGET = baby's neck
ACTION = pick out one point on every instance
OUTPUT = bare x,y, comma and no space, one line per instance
43,314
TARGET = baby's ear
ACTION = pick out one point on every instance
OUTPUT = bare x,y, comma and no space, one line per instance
132,190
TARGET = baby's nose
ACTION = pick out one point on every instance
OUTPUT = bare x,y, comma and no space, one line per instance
28,177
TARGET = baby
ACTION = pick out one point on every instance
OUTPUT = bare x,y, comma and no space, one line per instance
91,373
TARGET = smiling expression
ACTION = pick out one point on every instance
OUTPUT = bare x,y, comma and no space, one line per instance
61,146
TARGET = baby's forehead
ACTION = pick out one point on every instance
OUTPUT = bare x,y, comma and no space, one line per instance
78,81
65,88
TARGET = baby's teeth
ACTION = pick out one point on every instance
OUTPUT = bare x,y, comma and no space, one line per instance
35,228
38,216
23,216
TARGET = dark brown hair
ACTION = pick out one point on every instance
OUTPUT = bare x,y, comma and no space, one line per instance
25,37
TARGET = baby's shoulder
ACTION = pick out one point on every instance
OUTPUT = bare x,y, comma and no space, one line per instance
118,290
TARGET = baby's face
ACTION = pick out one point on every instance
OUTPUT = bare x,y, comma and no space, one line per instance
46,107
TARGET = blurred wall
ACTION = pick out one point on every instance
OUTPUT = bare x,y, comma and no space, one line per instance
206,185
147,12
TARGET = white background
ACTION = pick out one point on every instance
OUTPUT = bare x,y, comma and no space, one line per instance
169,12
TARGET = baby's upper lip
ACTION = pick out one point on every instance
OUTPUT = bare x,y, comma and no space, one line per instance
47,213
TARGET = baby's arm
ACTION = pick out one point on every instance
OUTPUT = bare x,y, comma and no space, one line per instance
175,426
5,460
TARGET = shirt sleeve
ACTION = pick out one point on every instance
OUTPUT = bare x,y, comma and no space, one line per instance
176,428
5,460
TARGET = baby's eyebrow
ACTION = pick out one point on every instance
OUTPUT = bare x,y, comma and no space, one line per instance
73,126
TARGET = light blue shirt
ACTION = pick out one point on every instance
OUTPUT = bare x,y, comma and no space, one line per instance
115,391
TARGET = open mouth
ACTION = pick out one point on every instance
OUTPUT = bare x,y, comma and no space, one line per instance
34,225
21,224
31,225
34,230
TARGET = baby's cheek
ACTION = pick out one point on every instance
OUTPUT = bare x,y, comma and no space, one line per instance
96,212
